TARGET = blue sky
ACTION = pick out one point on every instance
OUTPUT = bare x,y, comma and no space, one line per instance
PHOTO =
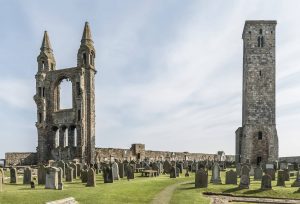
169,72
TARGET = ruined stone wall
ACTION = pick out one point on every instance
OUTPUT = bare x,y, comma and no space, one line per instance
295,159
20,158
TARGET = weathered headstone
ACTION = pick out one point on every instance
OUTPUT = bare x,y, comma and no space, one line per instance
60,186
62,165
180,166
130,172
69,174
177,172
296,183
266,182
13,175
78,167
245,170
280,178
231,177
201,179
238,169
84,175
258,173
108,175
91,178
215,178
51,178
2,175
41,175
173,172
27,176
115,171
32,185
244,181
270,172
286,174
74,167
60,175
195,167
121,170
167,167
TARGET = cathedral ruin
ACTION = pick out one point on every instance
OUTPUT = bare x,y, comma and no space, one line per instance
66,134
256,140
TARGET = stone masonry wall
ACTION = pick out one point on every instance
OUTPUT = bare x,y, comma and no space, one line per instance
20,158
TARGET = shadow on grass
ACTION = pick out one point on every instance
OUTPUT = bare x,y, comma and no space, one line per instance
231,190
184,184
298,191
186,188
256,191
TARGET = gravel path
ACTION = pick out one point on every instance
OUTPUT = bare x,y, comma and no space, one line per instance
164,196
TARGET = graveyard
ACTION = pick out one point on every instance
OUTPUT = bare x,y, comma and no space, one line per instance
141,189
147,91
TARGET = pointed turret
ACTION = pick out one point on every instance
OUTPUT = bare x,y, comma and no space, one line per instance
46,45
86,53
46,60
86,36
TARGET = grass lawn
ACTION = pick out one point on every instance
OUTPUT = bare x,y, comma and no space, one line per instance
186,193
139,190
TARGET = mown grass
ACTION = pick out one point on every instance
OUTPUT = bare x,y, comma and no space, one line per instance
139,190
187,193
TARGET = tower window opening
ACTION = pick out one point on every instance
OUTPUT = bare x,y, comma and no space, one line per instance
43,91
260,41
52,66
43,65
40,117
84,58
79,115
259,135
260,31
40,91
78,88
260,73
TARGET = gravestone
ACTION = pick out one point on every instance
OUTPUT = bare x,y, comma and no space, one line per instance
13,175
108,175
173,172
74,167
258,173
2,175
283,166
91,178
84,175
167,167
231,177
69,174
238,169
296,183
215,178
62,165
266,182
244,181
51,178
245,170
201,179
60,186
270,172
180,166
115,171
1,178
177,172
32,185
286,174
187,174
78,167
60,175
121,170
41,175
195,167
130,172
27,176
280,178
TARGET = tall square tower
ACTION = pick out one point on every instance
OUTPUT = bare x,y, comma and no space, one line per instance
256,140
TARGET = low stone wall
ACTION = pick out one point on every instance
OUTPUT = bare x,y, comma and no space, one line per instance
20,158
295,159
